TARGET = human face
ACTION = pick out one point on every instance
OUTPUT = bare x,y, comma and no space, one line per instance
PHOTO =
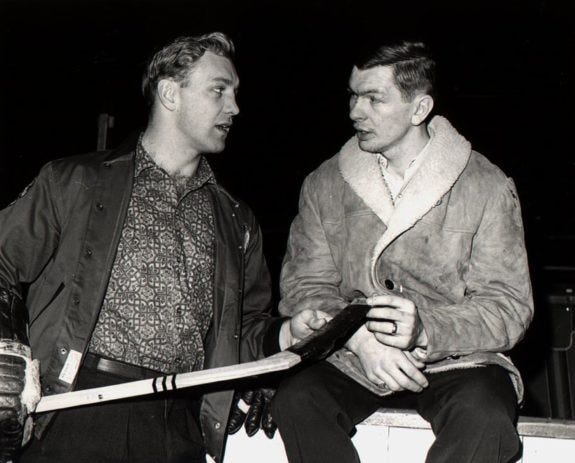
207,104
381,118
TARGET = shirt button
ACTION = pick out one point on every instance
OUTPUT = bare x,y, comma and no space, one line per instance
389,284
178,360
178,311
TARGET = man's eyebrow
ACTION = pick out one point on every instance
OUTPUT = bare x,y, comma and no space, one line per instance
368,91
224,80
372,90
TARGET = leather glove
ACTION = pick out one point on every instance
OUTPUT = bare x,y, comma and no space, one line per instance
19,394
252,409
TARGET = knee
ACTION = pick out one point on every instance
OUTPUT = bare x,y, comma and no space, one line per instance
302,396
489,399
294,392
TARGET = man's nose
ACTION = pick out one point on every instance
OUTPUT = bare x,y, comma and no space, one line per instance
232,106
356,113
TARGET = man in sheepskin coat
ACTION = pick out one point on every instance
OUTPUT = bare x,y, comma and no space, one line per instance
430,231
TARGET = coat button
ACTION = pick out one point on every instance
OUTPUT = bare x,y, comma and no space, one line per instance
389,284
76,300
217,425
63,351
99,206
88,252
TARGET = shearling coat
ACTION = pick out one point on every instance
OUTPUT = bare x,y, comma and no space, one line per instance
453,244
57,247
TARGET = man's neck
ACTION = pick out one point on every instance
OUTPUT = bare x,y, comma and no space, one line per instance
400,156
176,160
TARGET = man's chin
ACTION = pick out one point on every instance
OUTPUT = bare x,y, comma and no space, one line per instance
215,148
369,146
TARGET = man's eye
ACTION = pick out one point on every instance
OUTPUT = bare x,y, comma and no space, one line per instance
219,90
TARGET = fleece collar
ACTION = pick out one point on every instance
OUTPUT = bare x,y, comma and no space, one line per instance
447,157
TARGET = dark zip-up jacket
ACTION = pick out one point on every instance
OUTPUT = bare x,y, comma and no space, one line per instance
57,245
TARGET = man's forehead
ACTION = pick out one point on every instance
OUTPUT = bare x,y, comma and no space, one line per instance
378,78
215,68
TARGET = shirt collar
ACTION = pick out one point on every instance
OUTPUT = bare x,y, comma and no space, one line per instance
416,161
203,175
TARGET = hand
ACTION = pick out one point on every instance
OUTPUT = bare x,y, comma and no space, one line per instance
301,326
385,365
19,394
395,322
252,409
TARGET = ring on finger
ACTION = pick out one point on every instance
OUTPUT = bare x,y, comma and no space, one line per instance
394,328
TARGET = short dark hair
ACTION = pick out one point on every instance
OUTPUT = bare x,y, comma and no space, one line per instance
412,63
176,59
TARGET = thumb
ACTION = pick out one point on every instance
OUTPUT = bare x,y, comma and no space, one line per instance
320,318
317,322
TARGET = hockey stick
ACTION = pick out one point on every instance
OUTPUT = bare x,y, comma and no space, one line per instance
315,347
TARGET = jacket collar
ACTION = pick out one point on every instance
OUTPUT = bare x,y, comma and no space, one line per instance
447,157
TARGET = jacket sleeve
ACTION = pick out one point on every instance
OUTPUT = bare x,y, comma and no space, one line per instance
310,278
28,236
13,318
29,231
498,305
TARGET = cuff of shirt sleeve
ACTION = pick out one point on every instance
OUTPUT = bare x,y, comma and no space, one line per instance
271,344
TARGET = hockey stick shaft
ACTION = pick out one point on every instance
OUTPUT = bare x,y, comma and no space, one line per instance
315,347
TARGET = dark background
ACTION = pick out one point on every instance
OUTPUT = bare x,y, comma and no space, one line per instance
506,83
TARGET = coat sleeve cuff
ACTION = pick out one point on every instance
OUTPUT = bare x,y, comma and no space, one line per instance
271,343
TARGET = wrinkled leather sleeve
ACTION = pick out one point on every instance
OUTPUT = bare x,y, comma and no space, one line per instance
310,279
13,318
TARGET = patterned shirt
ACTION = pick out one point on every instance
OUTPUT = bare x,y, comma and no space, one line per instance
159,302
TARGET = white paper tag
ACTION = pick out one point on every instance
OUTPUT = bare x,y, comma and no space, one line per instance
70,367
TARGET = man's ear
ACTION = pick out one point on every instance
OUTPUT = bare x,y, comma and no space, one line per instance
422,106
167,93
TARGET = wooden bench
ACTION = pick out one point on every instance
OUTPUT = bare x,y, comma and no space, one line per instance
402,436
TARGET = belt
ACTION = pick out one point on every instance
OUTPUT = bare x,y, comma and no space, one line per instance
115,367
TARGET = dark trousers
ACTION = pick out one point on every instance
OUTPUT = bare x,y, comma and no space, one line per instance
144,430
472,413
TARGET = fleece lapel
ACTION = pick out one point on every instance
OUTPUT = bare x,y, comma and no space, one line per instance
361,172
447,157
